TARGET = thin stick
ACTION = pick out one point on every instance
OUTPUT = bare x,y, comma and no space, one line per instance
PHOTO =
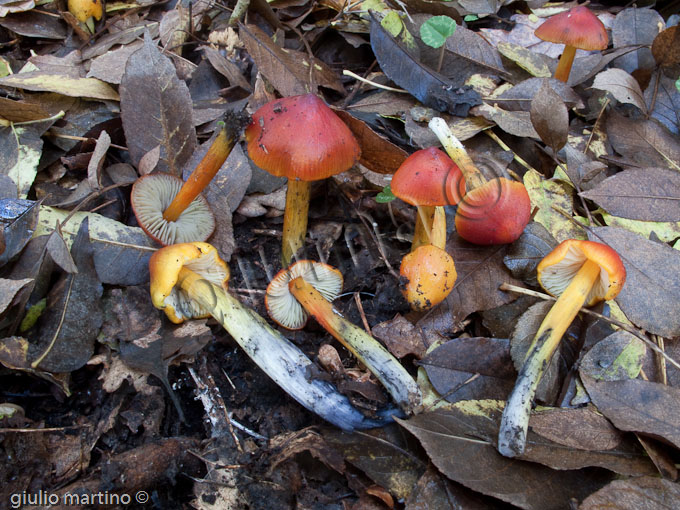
345,72
360,306
505,147
622,325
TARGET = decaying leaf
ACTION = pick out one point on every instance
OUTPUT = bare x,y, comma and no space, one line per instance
550,117
524,254
18,219
400,337
636,26
8,289
40,81
622,86
618,356
648,492
663,96
519,97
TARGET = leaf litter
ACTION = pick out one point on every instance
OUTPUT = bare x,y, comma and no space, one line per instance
599,157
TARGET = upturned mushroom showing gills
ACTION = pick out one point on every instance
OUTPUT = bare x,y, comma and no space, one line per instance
302,139
171,211
189,280
429,179
578,273
427,276
491,212
577,28
304,285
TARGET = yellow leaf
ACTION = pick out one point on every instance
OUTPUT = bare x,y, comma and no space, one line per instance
39,81
666,231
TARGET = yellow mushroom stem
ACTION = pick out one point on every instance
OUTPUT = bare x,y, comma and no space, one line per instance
515,421
199,179
394,377
295,219
430,227
564,65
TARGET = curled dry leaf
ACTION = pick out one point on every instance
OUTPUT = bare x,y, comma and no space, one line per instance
622,86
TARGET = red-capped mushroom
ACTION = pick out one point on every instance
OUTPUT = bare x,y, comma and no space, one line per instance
491,212
579,272
302,139
429,180
577,28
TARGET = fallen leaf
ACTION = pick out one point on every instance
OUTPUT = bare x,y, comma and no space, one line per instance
527,251
21,111
516,123
618,356
664,95
435,491
400,337
110,67
582,428
33,24
20,151
18,220
622,86
474,48
40,81
647,194
8,289
651,296
226,68
658,230
583,171
634,26
519,97
156,108
550,117
535,64
665,47
648,492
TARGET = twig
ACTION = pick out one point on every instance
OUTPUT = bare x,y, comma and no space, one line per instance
374,84
357,300
505,147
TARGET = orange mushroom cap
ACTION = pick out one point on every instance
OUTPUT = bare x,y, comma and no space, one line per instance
428,177
164,269
577,27
299,137
84,9
428,275
559,266
494,213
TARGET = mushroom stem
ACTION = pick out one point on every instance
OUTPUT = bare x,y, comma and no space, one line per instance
430,227
274,354
564,65
199,179
456,151
394,377
515,421
295,219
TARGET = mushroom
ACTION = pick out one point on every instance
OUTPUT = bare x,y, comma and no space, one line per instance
85,10
429,179
575,28
302,139
579,272
427,276
306,282
189,280
491,212
171,211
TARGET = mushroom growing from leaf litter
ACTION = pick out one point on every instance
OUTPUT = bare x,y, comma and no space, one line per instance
300,138
427,276
579,272
577,28
189,280
303,285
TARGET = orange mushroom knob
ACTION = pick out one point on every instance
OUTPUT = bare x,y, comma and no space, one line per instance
579,272
428,274
577,28
302,139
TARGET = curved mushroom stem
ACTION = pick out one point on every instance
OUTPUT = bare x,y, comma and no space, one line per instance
430,227
394,377
274,354
515,421
456,151
564,65
199,179
295,219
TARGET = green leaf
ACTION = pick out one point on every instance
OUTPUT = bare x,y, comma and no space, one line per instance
470,17
677,84
436,30
385,195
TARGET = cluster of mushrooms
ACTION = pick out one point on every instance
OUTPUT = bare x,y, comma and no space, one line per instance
302,139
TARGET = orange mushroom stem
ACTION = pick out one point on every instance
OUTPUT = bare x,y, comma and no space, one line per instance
579,272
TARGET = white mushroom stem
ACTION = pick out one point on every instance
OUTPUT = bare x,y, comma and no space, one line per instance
430,227
456,151
274,354
515,421
393,376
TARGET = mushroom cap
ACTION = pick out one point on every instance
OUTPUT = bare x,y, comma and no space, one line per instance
164,268
84,9
559,267
577,27
428,177
150,197
299,137
282,306
428,274
494,213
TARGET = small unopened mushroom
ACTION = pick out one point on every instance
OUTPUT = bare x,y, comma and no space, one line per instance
303,291
579,272
427,276
189,280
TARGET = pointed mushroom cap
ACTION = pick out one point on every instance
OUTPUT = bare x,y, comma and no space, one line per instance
299,137
577,27
558,267
428,177
152,194
282,306
495,213
164,269
428,274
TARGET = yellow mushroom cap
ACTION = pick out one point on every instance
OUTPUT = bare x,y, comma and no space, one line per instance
428,275
165,266
84,9
558,267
